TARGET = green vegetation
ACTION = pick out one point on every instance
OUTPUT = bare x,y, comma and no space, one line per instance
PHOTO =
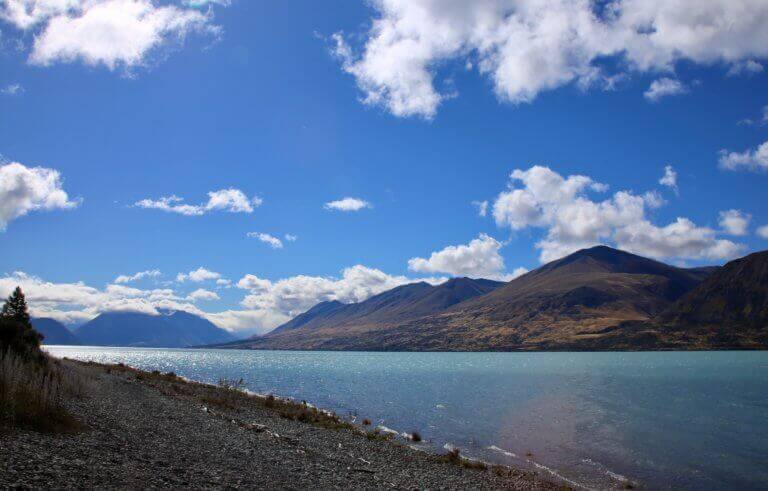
33,387
16,332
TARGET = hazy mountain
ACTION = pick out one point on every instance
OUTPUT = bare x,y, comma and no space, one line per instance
570,303
168,330
53,331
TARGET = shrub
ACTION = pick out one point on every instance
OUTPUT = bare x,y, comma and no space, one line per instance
32,393
366,422
454,457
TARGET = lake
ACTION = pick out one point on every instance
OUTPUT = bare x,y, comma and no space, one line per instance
659,419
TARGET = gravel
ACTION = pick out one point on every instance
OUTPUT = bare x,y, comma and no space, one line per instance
139,434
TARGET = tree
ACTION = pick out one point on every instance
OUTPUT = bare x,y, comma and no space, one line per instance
16,331
16,308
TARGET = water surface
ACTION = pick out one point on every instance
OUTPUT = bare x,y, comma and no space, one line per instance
665,419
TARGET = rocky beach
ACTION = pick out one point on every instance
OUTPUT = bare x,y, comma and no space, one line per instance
138,429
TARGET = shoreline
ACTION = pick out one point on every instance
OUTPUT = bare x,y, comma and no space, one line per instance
148,429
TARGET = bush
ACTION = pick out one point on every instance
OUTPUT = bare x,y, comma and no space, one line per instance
32,393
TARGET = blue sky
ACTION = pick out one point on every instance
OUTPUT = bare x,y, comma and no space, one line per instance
297,104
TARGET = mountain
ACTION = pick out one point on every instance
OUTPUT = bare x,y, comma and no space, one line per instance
167,330
399,304
573,303
53,331
335,320
727,310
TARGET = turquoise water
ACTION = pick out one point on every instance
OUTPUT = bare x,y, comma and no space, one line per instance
661,420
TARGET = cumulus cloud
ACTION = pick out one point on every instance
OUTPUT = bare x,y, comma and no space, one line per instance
762,231
291,296
230,200
198,276
202,294
347,204
734,222
664,87
154,273
271,240
78,302
291,237
525,47
753,160
112,33
669,178
25,189
541,198
478,259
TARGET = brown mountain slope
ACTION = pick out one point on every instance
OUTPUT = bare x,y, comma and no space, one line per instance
580,298
727,310
333,319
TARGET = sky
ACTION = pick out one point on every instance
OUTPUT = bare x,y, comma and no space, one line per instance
245,160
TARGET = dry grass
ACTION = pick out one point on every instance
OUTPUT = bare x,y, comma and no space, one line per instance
454,457
231,395
32,394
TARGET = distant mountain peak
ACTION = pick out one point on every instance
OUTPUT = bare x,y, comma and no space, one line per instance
172,328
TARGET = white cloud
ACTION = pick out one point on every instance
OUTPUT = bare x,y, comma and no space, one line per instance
12,89
205,3
25,189
78,302
347,204
762,231
113,33
482,207
154,273
266,305
273,241
248,322
202,294
291,296
664,87
25,14
291,237
478,259
680,239
232,200
229,200
574,221
754,160
198,275
748,67
734,222
526,47
669,178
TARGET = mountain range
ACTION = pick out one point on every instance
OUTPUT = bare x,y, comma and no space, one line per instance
597,298
170,329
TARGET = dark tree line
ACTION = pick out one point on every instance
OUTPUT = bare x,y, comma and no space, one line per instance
16,331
